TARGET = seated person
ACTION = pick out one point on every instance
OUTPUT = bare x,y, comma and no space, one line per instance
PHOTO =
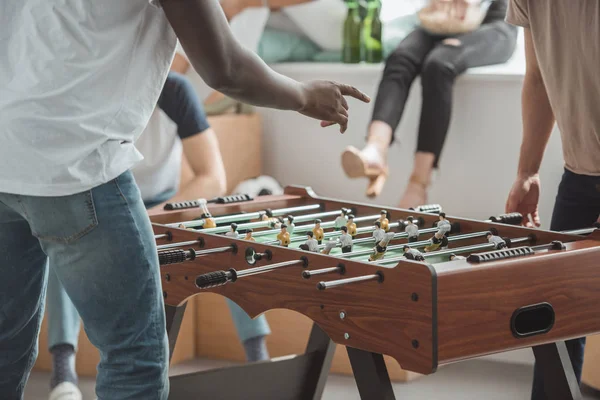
177,166
439,60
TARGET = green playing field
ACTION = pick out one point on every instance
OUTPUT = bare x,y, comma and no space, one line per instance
362,248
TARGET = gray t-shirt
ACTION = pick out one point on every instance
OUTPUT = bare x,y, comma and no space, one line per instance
566,38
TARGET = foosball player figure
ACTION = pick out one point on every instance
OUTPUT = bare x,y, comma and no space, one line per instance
330,246
439,240
413,254
498,242
290,224
209,222
284,236
412,230
381,247
341,219
443,224
385,223
351,226
378,233
345,240
249,235
454,257
311,244
318,231
233,231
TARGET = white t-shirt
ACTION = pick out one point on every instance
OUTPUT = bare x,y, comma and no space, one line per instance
160,170
78,83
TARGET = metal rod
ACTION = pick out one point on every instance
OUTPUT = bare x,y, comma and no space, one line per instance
243,217
308,273
414,244
161,236
271,267
328,235
214,250
175,245
340,282
308,227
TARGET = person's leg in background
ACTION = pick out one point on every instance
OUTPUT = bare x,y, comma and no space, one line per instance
492,43
101,246
22,291
251,332
577,206
401,68
63,333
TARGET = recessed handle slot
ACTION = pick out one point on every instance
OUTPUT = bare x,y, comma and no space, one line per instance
532,320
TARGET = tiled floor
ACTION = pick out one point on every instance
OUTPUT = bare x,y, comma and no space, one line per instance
470,380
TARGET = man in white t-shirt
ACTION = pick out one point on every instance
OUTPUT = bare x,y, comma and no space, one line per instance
78,83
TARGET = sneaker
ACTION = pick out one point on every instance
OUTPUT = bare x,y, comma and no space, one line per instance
65,391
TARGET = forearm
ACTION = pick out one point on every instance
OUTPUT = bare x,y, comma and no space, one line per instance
223,63
201,187
538,121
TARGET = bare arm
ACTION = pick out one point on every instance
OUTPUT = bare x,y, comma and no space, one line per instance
231,69
202,170
538,118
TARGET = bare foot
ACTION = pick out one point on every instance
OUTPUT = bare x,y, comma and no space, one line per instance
415,195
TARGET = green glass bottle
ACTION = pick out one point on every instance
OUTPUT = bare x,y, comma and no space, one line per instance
352,27
372,33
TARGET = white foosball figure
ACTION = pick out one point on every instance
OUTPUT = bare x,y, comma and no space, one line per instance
233,231
498,242
413,254
381,247
443,224
290,224
345,240
311,243
412,230
330,246
341,220
454,257
378,233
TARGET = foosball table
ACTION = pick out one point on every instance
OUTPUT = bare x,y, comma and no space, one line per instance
421,286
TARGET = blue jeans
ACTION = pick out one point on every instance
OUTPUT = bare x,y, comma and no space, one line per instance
63,318
101,248
577,206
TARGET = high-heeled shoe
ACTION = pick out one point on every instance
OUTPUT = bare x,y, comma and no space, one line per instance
355,165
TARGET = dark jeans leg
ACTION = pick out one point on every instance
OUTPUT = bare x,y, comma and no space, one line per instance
577,206
492,43
401,69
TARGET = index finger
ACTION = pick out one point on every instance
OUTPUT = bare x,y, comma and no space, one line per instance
351,91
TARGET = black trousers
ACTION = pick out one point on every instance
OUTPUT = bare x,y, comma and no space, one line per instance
577,206
438,64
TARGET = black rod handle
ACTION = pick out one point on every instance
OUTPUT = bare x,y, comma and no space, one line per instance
428,208
215,278
513,218
182,205
172,256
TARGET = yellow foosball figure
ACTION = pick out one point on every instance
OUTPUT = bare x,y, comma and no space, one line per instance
318,231
381,247
284,236
351,226
249,235
385,223
209,222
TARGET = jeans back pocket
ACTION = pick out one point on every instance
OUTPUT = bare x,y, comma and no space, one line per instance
62,219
